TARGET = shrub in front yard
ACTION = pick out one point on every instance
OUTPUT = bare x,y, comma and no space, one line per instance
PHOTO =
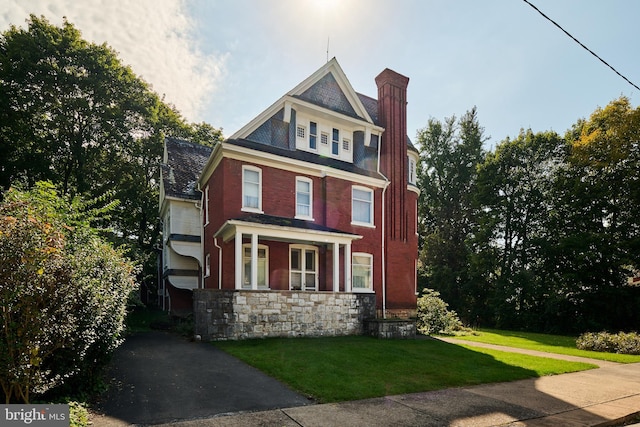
63,294
434,317
622,342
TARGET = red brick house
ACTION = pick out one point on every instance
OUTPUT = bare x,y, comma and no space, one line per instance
309,215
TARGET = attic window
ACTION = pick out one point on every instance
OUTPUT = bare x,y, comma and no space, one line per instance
301,131
313,132
324,138
346,144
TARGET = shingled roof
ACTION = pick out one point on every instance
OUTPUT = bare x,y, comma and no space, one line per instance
184,162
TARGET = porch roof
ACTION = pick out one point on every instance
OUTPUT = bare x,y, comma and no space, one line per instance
282,228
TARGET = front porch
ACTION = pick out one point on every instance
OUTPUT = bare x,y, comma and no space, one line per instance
222,314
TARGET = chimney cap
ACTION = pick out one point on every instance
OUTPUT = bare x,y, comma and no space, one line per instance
393,78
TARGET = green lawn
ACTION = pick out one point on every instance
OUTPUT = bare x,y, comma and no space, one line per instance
351,368
543,342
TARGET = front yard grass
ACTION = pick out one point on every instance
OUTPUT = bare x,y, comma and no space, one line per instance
351,368
543,342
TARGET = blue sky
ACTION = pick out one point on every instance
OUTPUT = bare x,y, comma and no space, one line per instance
224,61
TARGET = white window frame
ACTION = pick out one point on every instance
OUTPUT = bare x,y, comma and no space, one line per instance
251,208
298,215
301,132
206,205
207,265
303,271
335,141
411,170
355,265
354,221
246,281
313,124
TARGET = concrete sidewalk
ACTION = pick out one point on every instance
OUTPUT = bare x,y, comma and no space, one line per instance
600,397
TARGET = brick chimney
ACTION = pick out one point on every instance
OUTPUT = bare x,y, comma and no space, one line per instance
400,204
392,111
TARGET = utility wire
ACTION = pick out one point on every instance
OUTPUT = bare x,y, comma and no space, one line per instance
578,41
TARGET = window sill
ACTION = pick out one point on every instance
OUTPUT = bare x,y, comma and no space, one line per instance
362,291
305,218
363,224
252,210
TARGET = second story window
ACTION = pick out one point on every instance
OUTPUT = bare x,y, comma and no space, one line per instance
335,142
362,206
304,198
412,170
251,189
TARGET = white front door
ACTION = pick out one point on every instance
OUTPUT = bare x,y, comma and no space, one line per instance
303,267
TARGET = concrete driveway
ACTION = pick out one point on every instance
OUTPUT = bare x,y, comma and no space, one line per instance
159,377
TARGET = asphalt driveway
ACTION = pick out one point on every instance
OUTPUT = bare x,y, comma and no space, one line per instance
159,377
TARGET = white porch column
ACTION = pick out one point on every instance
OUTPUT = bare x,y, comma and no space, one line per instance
347,267
254,261
336,267
238,259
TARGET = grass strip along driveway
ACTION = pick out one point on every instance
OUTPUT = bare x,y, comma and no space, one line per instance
543,342
351,368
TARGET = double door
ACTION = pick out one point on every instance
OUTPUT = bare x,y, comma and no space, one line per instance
303,268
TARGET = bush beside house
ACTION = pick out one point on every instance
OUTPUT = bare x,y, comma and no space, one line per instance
63,293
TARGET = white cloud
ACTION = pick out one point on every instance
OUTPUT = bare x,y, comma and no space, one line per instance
155,37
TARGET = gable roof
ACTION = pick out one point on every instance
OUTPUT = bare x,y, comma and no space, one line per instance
182,164
327,88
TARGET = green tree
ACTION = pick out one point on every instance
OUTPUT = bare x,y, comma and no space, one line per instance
514,203
63,293
450,154
596,228
73,114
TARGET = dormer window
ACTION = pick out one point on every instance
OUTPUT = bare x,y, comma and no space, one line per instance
324,137
313,132
335,142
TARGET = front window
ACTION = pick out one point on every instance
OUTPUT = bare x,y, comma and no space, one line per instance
263,267
251,189
304,196
362,206
362,271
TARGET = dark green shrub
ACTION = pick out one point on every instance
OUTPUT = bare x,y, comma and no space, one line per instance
622,342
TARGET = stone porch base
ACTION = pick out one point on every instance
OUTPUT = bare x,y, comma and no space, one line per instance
242,314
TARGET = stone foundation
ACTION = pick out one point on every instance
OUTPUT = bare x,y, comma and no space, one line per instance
391,328
241,314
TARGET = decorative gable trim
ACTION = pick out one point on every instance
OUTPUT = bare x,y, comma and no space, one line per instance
291,99
343,82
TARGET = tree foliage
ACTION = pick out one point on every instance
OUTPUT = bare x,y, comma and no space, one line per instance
451,152
73,114
63,293
543,232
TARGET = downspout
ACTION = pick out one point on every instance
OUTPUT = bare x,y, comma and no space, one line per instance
384,236
215,243
200,206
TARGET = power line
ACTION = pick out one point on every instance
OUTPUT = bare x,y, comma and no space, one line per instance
578,41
